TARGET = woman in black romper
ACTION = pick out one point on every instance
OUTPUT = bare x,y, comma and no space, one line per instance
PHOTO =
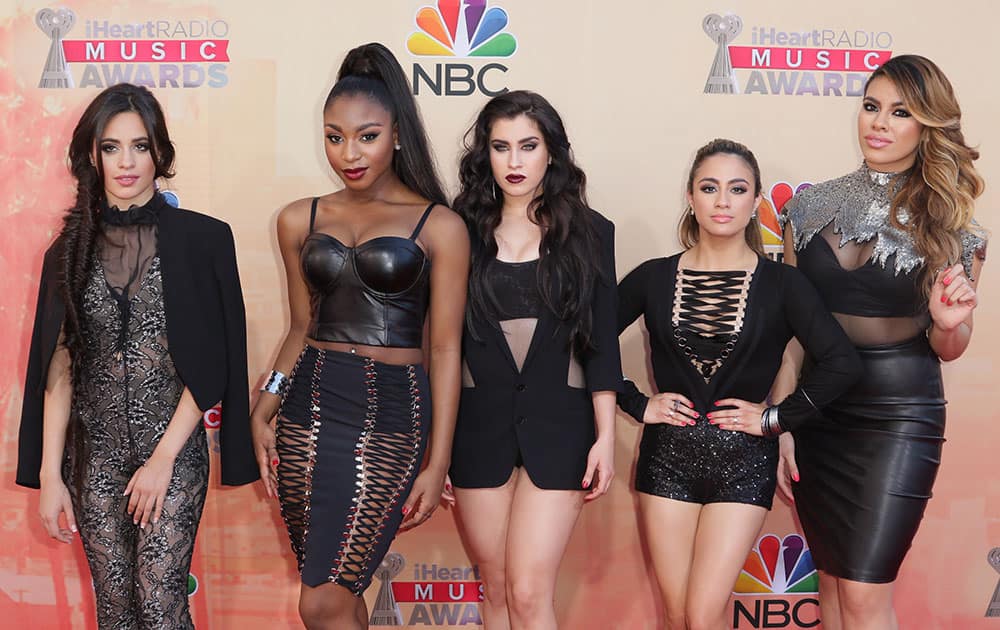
365,266
719,315
121,367
895,253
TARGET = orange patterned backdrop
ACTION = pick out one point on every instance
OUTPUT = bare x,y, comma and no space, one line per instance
630,80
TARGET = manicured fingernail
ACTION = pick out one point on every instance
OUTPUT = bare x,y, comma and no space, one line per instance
692,423
448,486
795,477
274,462
947,281
949,302
73,528
697,415
406,510
708,415
944,299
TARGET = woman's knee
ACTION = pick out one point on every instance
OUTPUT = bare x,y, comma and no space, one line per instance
526,597
494,586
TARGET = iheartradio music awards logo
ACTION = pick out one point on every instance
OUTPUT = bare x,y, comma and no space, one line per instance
460,29
781,567
155,53
436,596
810,61
767,215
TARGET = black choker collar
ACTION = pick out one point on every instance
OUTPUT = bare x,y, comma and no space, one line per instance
146,214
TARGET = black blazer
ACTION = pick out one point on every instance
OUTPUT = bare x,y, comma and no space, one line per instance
206,324
534,414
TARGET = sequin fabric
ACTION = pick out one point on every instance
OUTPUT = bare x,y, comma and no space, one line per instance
121,408
858,205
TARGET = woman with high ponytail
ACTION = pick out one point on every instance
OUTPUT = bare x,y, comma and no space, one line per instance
895,253
343,420
139,328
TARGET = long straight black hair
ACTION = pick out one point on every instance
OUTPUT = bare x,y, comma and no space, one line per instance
372,70
570,251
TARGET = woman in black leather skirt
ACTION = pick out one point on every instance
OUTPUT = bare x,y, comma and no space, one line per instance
895,253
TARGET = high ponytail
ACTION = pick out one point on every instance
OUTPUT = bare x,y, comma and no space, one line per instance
372,70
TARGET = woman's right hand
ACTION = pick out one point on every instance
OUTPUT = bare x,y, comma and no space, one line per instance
788,469
670,408
267,454
53,501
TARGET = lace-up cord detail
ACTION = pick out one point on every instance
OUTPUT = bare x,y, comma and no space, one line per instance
384,464
297,444
708,312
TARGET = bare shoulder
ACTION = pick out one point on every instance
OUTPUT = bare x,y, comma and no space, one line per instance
293,219
444,228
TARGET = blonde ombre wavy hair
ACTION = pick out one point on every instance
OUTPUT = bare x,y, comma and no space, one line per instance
939,195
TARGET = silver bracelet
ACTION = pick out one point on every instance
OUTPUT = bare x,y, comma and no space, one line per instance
277,384
769,425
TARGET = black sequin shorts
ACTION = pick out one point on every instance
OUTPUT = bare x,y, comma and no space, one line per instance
706,464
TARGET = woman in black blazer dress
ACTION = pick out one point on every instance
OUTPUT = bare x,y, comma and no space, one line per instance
535,433
139,328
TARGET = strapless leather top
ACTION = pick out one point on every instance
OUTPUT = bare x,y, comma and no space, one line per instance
375,293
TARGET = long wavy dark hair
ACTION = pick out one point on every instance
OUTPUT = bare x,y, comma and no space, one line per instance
82,222
568,268
372,70
688,228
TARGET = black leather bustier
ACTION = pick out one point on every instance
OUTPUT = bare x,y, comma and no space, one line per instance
375,293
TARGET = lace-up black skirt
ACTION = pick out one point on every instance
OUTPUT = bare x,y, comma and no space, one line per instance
868,467
351,436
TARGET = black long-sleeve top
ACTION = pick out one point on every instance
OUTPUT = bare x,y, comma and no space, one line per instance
533,412
781,304
206,324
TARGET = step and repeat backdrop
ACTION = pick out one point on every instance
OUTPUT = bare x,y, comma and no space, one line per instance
641,85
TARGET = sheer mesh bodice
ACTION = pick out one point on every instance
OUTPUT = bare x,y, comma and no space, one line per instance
874,305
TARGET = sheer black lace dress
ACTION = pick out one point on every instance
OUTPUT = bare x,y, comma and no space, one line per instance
120,410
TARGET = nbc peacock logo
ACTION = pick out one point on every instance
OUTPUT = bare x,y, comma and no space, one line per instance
461,28
778,566
769,211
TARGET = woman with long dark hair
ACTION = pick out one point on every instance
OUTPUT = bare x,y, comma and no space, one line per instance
896,255
140,326
719,315
535,434
365,266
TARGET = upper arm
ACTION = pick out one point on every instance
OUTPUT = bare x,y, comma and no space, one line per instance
293,227
448,244
632,296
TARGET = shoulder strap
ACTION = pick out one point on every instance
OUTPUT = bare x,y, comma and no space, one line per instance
312,214
420,223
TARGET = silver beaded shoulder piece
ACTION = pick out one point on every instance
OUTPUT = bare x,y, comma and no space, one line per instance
858,204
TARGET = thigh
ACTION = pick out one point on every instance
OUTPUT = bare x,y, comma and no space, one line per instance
165,548
726,533
541,522
668,527
483,515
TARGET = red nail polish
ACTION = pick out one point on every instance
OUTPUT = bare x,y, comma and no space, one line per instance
708,415
944,299
406,510
795,477
947,281
274,462
949,302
